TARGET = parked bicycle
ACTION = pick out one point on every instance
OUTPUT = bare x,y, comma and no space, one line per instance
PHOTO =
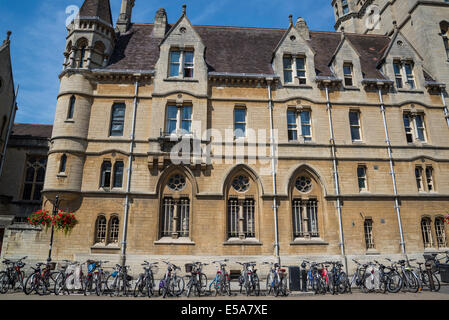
249,278
95,278
197,280
145,284
427,277
221,284
70,277
119,282
276,280
13,277
338,279
171,284
42,280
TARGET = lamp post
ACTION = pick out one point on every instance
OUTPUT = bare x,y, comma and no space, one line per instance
55,211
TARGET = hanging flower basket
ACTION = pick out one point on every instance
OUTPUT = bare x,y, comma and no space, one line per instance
65,221
40,219
446,219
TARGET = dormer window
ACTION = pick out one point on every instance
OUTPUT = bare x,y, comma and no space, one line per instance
301,69
181,64
288,70
408,67
404,70
398,74
347,71
295,63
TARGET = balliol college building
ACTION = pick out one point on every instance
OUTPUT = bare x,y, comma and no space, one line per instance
186,142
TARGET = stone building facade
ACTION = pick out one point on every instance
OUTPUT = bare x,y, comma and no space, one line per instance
20,191
321,145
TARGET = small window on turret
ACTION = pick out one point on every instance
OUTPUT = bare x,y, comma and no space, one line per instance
345,6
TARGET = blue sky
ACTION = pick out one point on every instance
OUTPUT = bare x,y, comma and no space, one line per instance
38,38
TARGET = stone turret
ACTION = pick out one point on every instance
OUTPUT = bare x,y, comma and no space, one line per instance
90,42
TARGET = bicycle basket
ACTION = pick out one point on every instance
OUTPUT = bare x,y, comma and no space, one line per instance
189,267
129,278
52,265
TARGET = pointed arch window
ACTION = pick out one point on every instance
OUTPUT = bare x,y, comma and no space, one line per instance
426,229
100,229
305,207
34,178
175,209
440,232
113,230
241,207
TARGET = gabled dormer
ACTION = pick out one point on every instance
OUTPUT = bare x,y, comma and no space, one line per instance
345,63
181,58
402,63
293,58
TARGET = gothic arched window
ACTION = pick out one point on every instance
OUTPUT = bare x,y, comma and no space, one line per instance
241,206
426,229
175,207
305,195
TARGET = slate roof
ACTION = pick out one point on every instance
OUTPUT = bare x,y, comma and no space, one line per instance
244,50
32,130
97,8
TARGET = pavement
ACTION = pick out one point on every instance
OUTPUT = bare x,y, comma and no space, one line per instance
443,294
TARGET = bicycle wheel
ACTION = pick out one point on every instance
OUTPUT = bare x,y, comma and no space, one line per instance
149,284
4,282
276,286
256,285
269,284
412,281
111,283
177,286
30,284
60,284
101,286
138,288
394,283
165,288
342,282
213,288
189,287
284,287
89,286
426,281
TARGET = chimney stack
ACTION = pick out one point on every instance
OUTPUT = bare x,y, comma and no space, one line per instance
124,20
302,28
160,23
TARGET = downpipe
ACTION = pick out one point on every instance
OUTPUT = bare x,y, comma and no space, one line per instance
336,179
273,171
446,112
392,172
128,184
